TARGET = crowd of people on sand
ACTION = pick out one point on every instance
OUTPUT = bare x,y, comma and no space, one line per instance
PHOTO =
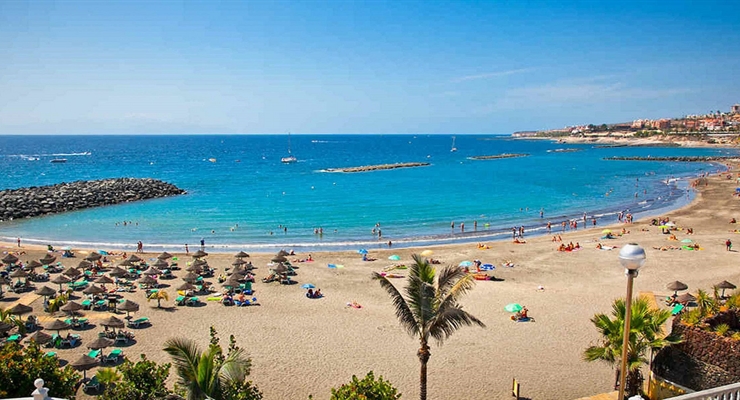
311,294
569,247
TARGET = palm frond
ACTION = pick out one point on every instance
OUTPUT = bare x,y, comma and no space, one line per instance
235,367
403,312
186,357
449,320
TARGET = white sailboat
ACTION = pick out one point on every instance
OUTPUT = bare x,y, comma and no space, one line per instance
453,149
290,158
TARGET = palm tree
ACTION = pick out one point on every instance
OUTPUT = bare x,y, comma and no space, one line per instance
430,308
159,295
646,333
207,374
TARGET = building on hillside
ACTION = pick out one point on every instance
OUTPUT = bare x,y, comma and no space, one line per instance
691,124
735,109
638,123
661,124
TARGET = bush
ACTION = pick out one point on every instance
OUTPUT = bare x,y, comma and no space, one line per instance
366,389
722,329
20,367
144,380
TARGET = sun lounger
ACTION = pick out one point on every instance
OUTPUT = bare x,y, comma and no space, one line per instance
121,338
94,353
180,300
136,323
87,304
192,301
13,338
50,354
71,342
77,323
100,305
92,384
113,356
677,309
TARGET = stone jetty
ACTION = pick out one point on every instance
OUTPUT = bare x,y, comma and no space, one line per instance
498,156
42,200
368,168
682,158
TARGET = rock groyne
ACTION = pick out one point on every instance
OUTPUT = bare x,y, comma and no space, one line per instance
682,158
368,168
498,156
62,197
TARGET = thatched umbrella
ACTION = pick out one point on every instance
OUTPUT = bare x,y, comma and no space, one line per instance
241,254
147,280
160,263
190,277
280,269
238,262
99,344
112,322
117,272
19,309
199,254
72,272
10,259
133,258
48,259
128,306
93,289
4,326
725,285
71,307
19,273
676,286
34,264
279,259
164,256
126,263
283,253
152,271
685,298
61,280
186,286
194,268
103,280
200,262
92,257
58,325
45,291
40,337
84,264
84,363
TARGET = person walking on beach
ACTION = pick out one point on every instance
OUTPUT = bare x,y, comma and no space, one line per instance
462,226
728,244
19,242
202,244
187,250
139,247
549,226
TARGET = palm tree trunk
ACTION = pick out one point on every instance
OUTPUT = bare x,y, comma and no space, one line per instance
423,355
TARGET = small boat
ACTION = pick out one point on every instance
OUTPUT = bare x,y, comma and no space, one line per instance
59,160
290,158
453,149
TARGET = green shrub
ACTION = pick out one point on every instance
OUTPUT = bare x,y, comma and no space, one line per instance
722,329
143,380
366,389
20,367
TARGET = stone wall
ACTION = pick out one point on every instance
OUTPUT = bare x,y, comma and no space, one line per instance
703,360
43,200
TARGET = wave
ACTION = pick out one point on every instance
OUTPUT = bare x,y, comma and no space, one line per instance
25,156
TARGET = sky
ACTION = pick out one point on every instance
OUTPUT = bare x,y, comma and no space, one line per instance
138,67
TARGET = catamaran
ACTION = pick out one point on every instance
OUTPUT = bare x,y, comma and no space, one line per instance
453,149
290,158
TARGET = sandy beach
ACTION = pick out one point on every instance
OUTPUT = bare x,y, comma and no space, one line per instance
303,346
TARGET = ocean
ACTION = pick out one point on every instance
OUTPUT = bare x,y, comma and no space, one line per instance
241,197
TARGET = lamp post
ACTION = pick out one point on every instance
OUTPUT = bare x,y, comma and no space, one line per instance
632,258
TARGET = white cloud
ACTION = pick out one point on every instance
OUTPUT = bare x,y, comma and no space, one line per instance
491,75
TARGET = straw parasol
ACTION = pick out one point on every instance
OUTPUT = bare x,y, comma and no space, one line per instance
126,263
58,325
725,285
19,309
72,272
280,269
10,259
186,286
241,254
84,264
34,264
190,277
45,291
279,259
238,262
133,258
283,253
103,280
100,343
92,257
676,286
19,273
112,322
160,263
93,289
152,271
164,256
128,306
117,272
40,337
194,268
71,307
48,259
147,280
200,263
685,298
199,254
61,280
84,363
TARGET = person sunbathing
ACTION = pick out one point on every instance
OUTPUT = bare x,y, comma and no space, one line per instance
599,246
672,237
309,294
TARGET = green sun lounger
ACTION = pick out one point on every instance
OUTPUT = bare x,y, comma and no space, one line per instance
180,300
677,309
94,353
14,338
136,323
92,384
87,304
50,354
113,356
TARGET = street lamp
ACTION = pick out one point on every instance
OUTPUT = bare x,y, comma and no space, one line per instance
632,258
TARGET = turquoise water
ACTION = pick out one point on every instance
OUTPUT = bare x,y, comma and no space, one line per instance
245,198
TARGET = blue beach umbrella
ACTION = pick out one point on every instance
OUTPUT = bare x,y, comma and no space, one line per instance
465,264
394,257
362,251
308,286
513,307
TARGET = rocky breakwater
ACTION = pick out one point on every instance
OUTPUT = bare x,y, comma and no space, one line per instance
683,159
498,156
368,168
43,200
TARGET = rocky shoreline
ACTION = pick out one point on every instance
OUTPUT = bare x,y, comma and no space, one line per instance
682,159
368,168
43,200
497,156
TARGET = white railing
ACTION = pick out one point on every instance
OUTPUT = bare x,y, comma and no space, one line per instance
728,392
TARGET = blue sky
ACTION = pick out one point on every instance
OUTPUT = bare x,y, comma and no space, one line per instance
99,67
